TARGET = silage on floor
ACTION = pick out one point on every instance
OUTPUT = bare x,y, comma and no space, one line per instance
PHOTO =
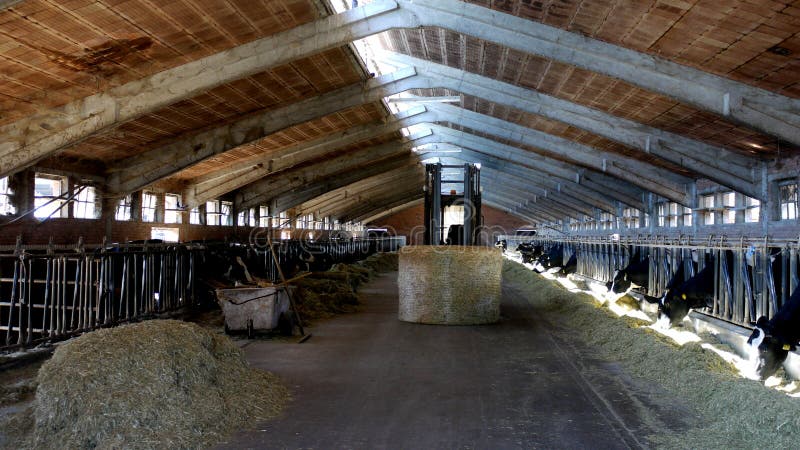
323,294
155,384
736,412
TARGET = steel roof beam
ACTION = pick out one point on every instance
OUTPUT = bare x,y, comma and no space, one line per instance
377,204
315,190
363,190
568,172
388,212
531,182
272,186
718,164
766,111
27,141
614,175
133,173
597,159
30,139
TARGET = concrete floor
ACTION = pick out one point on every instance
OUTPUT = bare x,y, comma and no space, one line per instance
367,380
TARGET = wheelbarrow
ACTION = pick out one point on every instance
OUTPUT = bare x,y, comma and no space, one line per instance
253,310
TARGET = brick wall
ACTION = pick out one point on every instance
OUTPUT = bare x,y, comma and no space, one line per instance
408,222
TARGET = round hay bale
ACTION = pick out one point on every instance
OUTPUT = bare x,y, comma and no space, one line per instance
450,285
155,384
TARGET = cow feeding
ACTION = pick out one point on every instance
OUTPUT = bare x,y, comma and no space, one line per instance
732,412
160,383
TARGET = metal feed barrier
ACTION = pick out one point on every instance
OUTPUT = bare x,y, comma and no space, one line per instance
50,292
745,286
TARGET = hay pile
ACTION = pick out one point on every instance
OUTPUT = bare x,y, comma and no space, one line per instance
449,285
324,294
381,262
160,383
735,412
322,298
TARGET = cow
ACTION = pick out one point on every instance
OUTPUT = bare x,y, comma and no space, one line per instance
501,244
773,339
550,259
695,292
570,267
529,252
635,274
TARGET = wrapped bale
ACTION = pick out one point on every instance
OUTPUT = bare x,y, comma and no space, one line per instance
160,383
450,285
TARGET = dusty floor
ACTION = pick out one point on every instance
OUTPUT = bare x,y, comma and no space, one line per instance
367,380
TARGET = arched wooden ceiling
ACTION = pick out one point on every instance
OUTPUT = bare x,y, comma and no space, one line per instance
569,104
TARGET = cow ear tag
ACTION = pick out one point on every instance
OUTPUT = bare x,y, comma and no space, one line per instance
787,347
683,296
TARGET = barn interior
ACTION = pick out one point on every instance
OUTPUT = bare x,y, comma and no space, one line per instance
615,180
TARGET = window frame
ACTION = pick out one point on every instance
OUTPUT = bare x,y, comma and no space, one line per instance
59,200
173,215
788,210
149,206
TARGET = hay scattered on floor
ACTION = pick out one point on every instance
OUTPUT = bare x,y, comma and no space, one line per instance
736,412
324,294
155,384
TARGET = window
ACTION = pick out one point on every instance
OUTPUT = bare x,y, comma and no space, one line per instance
630,217
788,200
752,209
707,202
49,196
283,220
574,224
149,207
6,207
687,216
729,203
194,216
588,222
226,213
165,234
212,212
124,208
661,214
263,216
241,218
606,221
172,208
251,217
674,215
84,205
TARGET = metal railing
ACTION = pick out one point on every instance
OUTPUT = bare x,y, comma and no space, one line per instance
55,292
50,292
745,283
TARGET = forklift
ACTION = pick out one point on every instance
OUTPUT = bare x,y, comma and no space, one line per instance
465,191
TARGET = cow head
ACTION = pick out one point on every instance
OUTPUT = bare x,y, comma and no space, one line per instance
620,284
767,352
672,308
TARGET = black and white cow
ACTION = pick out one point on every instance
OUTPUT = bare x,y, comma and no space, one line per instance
696,292
529,252
772,339
635,274
550,259
570,267
501,244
